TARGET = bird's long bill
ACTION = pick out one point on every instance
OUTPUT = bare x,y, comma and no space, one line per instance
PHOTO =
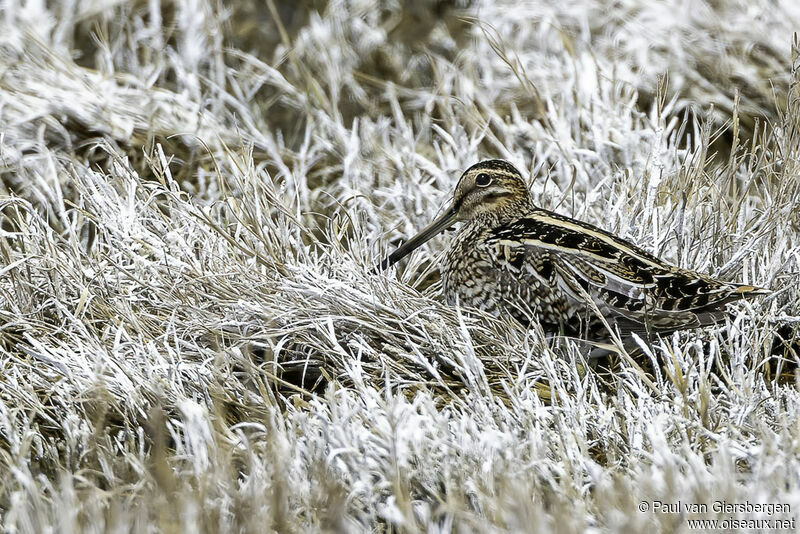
430,231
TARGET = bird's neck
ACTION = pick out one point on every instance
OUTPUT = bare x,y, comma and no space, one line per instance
503,214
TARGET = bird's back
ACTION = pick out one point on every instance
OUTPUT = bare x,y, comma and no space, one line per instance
563,272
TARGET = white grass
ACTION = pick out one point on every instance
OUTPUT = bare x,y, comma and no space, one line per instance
192,199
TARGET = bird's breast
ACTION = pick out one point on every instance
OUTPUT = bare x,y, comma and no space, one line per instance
467,268
478,271
481,271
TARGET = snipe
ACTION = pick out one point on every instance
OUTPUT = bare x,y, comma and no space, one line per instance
510,257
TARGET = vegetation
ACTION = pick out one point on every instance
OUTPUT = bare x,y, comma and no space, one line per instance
193,196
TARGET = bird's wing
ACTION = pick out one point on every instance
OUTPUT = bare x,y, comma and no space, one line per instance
620,277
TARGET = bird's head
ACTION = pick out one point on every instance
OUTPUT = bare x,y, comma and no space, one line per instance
493,190
493,187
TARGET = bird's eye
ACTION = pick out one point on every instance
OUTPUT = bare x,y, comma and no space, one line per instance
483,180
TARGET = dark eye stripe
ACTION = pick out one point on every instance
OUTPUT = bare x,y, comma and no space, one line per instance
483,180
493,195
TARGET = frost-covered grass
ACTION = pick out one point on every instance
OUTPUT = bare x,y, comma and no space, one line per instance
192,197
